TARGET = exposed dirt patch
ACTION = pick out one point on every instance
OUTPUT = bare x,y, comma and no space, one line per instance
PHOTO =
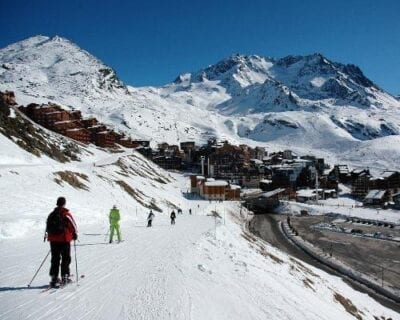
261,249
303,267
138,196
35,140
308,283
72,178
348,305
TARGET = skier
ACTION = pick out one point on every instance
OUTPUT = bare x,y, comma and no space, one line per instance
114,218
60,230
190,211
179,211
173,216
150,218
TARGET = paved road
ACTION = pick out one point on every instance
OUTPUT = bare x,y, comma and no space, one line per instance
266,226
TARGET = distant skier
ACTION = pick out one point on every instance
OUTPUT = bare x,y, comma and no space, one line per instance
60,230
150,218
114,218
173,217
179,211
190,211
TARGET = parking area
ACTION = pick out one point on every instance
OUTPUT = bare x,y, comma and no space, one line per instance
366,247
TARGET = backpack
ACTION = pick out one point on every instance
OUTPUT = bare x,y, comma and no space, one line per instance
55,222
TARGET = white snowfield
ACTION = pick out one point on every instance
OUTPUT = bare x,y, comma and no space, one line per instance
201,268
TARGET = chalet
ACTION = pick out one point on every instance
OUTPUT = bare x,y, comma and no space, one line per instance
125,142
287,175
328,182
47,115
213,190
79,134
75,115
104,139
90,122
226,161
390,180
305,195
194,183
232,192
265,202
342,173
287,154
8,97
96,129
168,162
188,149
376,197
361,183
62,126
259,153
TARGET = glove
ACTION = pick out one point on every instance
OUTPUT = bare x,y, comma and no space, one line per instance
74,236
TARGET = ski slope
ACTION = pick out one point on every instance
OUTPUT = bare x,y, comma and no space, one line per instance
186,271
201,268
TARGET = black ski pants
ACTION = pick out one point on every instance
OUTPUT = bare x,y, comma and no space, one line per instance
60,250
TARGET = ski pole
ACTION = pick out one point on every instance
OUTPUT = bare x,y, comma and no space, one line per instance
45,258
76,264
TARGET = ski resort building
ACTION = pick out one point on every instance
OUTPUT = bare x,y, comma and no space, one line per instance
211,189
78,134
376,198
71,124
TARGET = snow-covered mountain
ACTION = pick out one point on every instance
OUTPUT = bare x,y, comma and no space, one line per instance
306,103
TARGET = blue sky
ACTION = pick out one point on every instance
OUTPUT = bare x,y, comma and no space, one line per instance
151,42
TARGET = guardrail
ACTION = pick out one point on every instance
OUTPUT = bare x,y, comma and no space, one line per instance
292,236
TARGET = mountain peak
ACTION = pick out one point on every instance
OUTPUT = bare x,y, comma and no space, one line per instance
40,62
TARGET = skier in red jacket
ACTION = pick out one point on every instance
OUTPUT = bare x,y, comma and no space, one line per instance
61,230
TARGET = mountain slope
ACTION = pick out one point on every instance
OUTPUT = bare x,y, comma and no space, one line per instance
328,108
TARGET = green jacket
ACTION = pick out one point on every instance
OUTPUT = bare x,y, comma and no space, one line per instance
114,216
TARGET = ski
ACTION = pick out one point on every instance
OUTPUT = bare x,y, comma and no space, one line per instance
59,285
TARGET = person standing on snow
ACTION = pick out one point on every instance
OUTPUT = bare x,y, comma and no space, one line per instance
150,218
60,230
173,216
114,218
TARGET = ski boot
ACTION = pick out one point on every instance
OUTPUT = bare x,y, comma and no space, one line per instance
65,280
55,282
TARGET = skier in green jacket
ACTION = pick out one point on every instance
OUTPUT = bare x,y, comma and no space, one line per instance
114,218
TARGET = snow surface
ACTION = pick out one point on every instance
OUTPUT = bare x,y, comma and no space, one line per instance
201,268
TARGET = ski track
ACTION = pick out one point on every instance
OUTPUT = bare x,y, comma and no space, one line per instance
112,273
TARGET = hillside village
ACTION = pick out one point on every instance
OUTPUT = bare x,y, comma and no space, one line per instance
219,170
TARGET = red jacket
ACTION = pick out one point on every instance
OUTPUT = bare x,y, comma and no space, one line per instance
69,231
